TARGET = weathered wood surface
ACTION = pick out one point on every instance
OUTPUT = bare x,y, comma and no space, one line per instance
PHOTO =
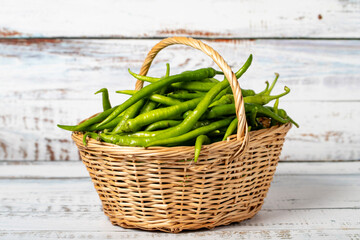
76,169
324,205
45,82
229,19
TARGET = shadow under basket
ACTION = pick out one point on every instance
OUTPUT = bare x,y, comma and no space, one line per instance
161,188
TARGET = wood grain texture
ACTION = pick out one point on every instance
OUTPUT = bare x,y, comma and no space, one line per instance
336,191
45,82
294,234
76,169
321,206
229,19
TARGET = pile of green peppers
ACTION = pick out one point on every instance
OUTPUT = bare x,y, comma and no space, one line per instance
192,108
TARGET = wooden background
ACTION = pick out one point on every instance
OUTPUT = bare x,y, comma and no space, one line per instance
54,57
55,54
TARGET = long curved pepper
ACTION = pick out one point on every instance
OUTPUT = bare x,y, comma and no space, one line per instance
231,128
83,126
200,140
105,98
154,97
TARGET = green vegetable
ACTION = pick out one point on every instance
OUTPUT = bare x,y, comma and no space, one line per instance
154,97
105,98
200,140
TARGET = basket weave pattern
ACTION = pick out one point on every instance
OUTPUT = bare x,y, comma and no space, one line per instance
160,188
155,189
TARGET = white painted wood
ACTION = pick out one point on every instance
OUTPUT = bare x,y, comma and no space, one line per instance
294,234
57,74
75,69
76,169
318,186
31,133
287,192
313,205
265,220
110,18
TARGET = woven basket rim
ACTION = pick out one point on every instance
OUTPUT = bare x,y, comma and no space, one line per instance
231,139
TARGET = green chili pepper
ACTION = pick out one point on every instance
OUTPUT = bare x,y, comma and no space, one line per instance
221,110
194,86
275,110
200,140
228,109
148,90
154,97
105,98
213,80
232,127
144,78
252,117
192,134
264,98
91,135
135,124
284,115
150,105
109,125
201,124
162,124
82,126
264,111
226,99
185,95
129,113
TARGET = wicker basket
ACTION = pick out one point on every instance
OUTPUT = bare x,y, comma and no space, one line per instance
157,188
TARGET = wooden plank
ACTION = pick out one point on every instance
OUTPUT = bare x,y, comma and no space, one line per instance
321,206
56,74
76,169
218,233
334,190
244,19
75,69
78,195
336,219
32,127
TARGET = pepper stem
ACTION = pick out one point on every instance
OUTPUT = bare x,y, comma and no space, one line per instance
273,83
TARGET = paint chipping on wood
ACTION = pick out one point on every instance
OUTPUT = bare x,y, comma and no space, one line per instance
30,41
4,149
335,136
198,33
23,152
5,32
185,62
234,41
36,151
49,150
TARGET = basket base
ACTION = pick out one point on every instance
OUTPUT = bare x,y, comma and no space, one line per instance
173,227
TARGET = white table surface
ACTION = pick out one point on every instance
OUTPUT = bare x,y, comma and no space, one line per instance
52,200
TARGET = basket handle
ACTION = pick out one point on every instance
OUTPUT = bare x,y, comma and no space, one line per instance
239,102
